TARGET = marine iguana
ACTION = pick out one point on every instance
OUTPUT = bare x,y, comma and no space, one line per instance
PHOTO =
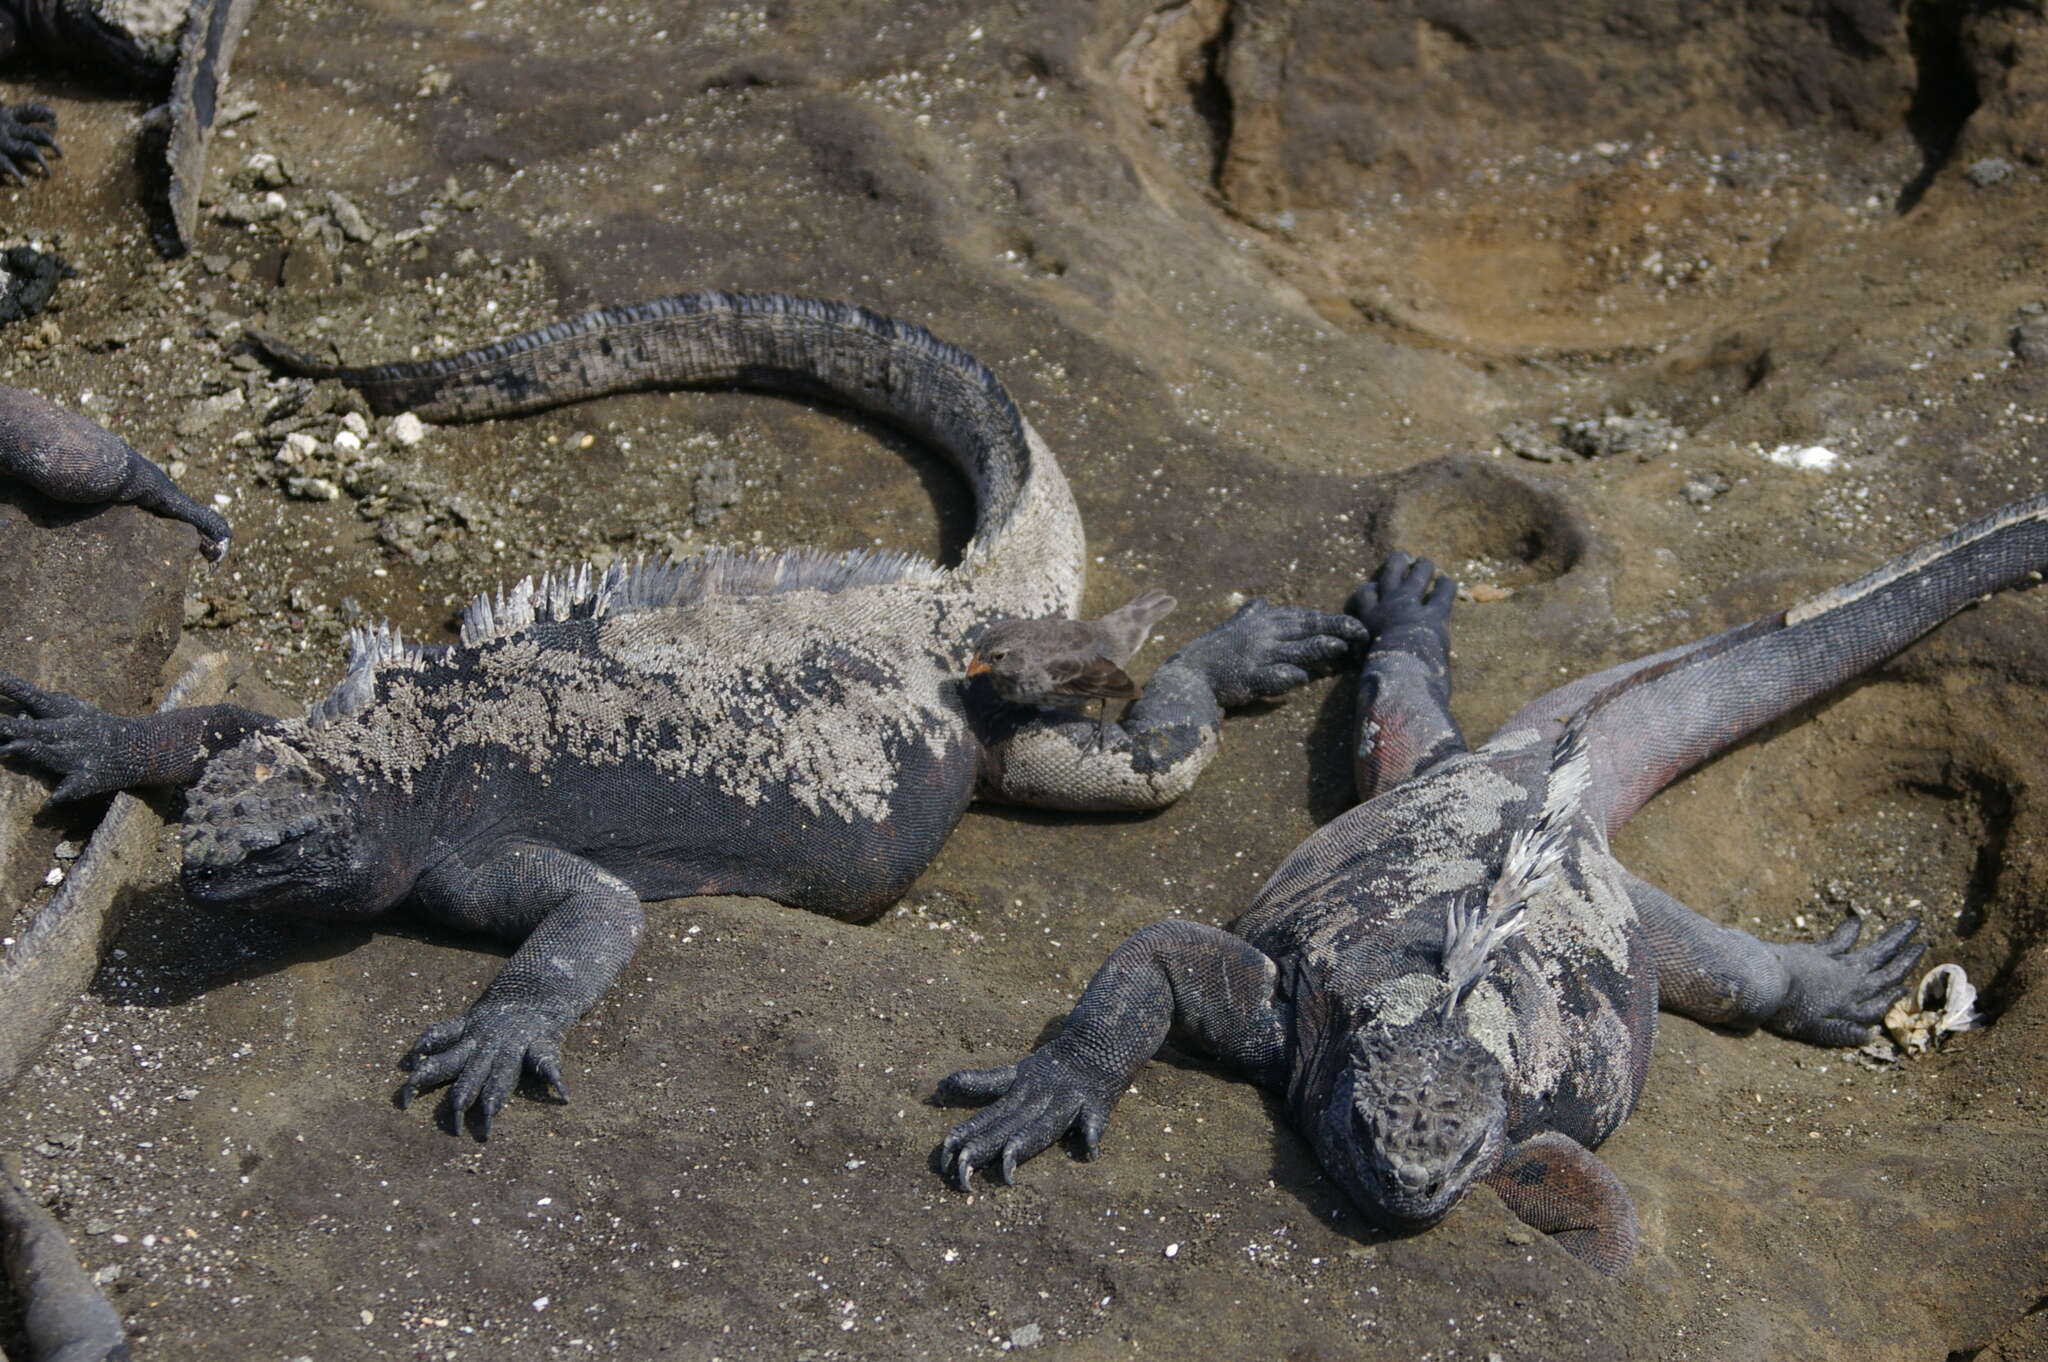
1456,982
792,725
179,49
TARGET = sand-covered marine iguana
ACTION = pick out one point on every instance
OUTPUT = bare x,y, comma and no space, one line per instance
179,50
793,725
1456,982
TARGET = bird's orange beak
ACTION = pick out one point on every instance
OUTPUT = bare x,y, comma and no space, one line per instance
975,666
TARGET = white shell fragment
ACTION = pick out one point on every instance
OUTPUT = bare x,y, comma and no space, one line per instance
1945,1003
1805,458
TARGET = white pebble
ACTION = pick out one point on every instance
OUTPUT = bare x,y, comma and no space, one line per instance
55,876
1805,458
1173,1250
354,423
348,440
407,429
540,1302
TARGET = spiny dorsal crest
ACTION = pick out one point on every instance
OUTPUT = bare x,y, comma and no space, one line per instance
370,647
660,584
1474,930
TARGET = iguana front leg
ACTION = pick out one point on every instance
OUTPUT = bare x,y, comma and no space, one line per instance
1557,1185
95,752
578,927
1058,761
1211,988
1404,723
1825,994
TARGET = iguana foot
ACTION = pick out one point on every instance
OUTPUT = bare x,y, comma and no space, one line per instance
1036,1101
1266,650
1834,994
1557,1185
483,1053
92,751
1405,591
26,132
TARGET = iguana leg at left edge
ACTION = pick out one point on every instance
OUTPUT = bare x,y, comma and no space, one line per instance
65,1316
579,926
71,458
1556,1185
1152,757
94,752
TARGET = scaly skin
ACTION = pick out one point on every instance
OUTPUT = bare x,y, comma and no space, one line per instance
64,1315
1456,982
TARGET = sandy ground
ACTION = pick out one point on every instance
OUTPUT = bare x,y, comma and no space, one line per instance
1284,285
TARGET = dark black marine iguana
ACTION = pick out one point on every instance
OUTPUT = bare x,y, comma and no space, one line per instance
177,49
792,725
1456,982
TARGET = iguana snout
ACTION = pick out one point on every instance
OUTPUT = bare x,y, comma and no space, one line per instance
267,829
1418,1114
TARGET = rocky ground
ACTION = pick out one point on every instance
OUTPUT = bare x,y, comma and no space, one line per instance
1565,295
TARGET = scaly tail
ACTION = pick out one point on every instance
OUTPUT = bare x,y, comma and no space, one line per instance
1026,557
1661,718
207,49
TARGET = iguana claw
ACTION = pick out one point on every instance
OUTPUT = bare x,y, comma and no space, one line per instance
26,132
1266,650
1836,993
1037,1101
482,1054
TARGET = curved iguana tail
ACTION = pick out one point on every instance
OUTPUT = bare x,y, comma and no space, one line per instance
1659,718
1026,556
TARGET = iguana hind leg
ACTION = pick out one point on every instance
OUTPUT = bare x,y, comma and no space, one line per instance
68,457
1557,1185
1826,994
1404,724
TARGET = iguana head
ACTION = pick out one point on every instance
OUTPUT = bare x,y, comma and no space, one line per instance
266,828
1414,1115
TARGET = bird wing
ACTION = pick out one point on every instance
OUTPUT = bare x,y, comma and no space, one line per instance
1092,677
